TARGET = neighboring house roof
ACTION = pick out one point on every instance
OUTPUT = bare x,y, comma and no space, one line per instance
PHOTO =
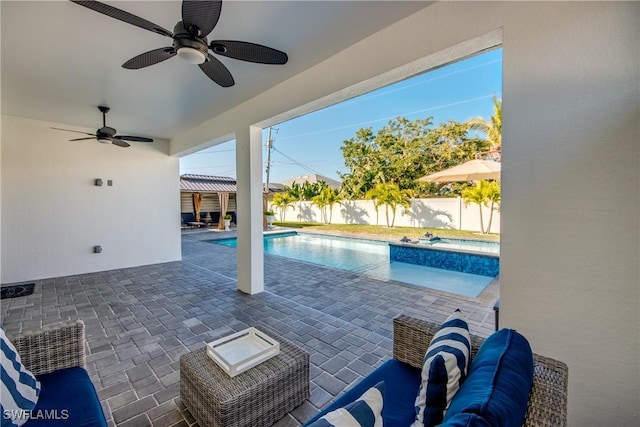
311,178
214,184
275,187
207,183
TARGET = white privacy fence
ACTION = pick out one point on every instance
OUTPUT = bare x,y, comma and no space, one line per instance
449,213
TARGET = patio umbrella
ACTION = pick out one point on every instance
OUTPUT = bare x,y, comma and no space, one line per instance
472,170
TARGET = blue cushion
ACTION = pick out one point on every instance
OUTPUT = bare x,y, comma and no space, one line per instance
466,420
366,411
444,369
499,381
69,397
19,388
188,217
401,385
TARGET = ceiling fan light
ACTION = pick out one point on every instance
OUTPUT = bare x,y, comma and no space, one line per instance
104,140
191,55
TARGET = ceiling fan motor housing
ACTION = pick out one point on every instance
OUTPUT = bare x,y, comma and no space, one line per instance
104,138
189,45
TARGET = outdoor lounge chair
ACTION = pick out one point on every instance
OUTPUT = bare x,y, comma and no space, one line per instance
56,356
188,217
547,404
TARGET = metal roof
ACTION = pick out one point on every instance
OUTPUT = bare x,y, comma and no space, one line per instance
215,184
207,183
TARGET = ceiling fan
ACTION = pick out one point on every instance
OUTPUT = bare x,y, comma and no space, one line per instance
107,135
199,17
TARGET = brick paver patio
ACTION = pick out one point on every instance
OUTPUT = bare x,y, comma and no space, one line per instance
139,321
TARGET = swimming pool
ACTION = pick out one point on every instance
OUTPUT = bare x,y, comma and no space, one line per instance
367,257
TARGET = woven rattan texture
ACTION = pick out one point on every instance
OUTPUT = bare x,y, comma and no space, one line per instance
257,397
548,397
52,348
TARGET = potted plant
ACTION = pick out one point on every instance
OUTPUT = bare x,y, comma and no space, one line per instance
270,218
227,221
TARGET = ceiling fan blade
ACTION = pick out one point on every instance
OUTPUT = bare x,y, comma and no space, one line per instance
107,130
133,138
76,131
120,143
217,72
82,139
123,16
202,14
246,51
149,58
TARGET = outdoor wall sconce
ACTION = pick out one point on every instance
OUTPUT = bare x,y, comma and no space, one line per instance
98,182
97,249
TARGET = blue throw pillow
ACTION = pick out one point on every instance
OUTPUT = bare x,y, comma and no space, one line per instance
364,412
443,370
499,381
20,389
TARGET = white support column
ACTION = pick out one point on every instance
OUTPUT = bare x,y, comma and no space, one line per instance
249,210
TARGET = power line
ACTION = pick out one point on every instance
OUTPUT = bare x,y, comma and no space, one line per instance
465,101
303,166
365,97
360,124
371,95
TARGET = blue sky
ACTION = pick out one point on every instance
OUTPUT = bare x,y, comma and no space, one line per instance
311,143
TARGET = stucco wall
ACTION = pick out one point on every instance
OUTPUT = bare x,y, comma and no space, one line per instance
451,213
570,200
570,243
53,214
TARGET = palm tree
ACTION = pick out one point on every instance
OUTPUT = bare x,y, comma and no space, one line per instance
484,193
475,195
327,198
282,201
492,192
296,192
391,196
312,189
492,129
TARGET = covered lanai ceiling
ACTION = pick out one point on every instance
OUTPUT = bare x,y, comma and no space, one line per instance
61,60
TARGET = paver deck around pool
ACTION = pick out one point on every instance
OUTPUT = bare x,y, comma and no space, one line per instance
139,321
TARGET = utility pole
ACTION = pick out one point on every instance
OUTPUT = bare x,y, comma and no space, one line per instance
269,148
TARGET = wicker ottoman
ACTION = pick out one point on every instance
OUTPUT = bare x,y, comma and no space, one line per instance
257,397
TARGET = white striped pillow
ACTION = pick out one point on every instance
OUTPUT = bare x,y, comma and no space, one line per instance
366,411
443,370
20,389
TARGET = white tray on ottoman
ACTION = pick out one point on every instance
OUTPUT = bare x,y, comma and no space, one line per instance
243,350
258,397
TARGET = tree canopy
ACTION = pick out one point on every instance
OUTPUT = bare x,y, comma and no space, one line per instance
403,151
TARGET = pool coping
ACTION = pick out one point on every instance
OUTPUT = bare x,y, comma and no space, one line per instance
489,294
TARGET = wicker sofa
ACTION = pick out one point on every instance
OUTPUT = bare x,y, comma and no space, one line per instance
56,356
411,337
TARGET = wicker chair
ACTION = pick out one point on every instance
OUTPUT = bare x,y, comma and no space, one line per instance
56,356
548,397
52,348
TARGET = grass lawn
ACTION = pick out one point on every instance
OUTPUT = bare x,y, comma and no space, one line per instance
386,233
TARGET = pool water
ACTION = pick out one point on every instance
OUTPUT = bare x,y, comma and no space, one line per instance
367,257
468,245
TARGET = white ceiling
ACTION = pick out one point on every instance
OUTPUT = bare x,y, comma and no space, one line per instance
61,60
